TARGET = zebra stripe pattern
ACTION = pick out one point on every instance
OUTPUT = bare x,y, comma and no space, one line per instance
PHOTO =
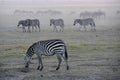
34,23
57,22
23,23
48,48
85,22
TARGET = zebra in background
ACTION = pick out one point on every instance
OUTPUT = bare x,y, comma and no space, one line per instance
95,14
98,14
57,22
85,22
35,23
29,23
86,14
23,23
118,12
48,48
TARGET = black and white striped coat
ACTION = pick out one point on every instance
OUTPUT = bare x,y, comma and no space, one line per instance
57,22
85,22
48,48
34,23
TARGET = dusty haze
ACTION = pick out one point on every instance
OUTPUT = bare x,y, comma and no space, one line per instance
70,10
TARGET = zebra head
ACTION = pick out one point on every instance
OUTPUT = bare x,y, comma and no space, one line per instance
27,61
79,21
51,21
21,22
76,21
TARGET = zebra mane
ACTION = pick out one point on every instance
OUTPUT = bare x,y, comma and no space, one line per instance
30,51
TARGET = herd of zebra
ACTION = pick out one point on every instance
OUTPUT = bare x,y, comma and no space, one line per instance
53,46
94,14
35,23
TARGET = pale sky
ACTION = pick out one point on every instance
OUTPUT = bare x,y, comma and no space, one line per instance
8,6
57,2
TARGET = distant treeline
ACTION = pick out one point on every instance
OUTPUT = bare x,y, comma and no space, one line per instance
40,12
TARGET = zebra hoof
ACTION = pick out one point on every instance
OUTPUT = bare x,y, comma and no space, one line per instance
38,68
67,67
57,68
26,66
41,68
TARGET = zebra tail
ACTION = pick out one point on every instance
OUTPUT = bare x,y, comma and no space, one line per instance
66,55
39,25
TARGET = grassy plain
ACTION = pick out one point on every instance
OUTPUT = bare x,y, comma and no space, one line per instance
92,55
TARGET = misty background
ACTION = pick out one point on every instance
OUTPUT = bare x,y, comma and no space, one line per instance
11,11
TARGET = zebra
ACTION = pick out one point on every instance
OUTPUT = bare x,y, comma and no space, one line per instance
57,22
48,48
85,22
29,23
23,23
99,14
95,14
86,14
35,23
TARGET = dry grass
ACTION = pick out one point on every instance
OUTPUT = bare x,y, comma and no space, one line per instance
92,56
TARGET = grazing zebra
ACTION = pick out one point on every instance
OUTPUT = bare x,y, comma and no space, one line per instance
23,23
48,48
85,22
29,23
35,23
57,22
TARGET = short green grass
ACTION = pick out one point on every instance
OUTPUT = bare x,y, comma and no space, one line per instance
88,60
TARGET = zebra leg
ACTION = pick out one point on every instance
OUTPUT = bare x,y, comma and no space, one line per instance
40,64
39,29
91,28
32,28
35,28
59,61
56,29
23,29
80,28
94,28
66,61
29,29
62,29
67,67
